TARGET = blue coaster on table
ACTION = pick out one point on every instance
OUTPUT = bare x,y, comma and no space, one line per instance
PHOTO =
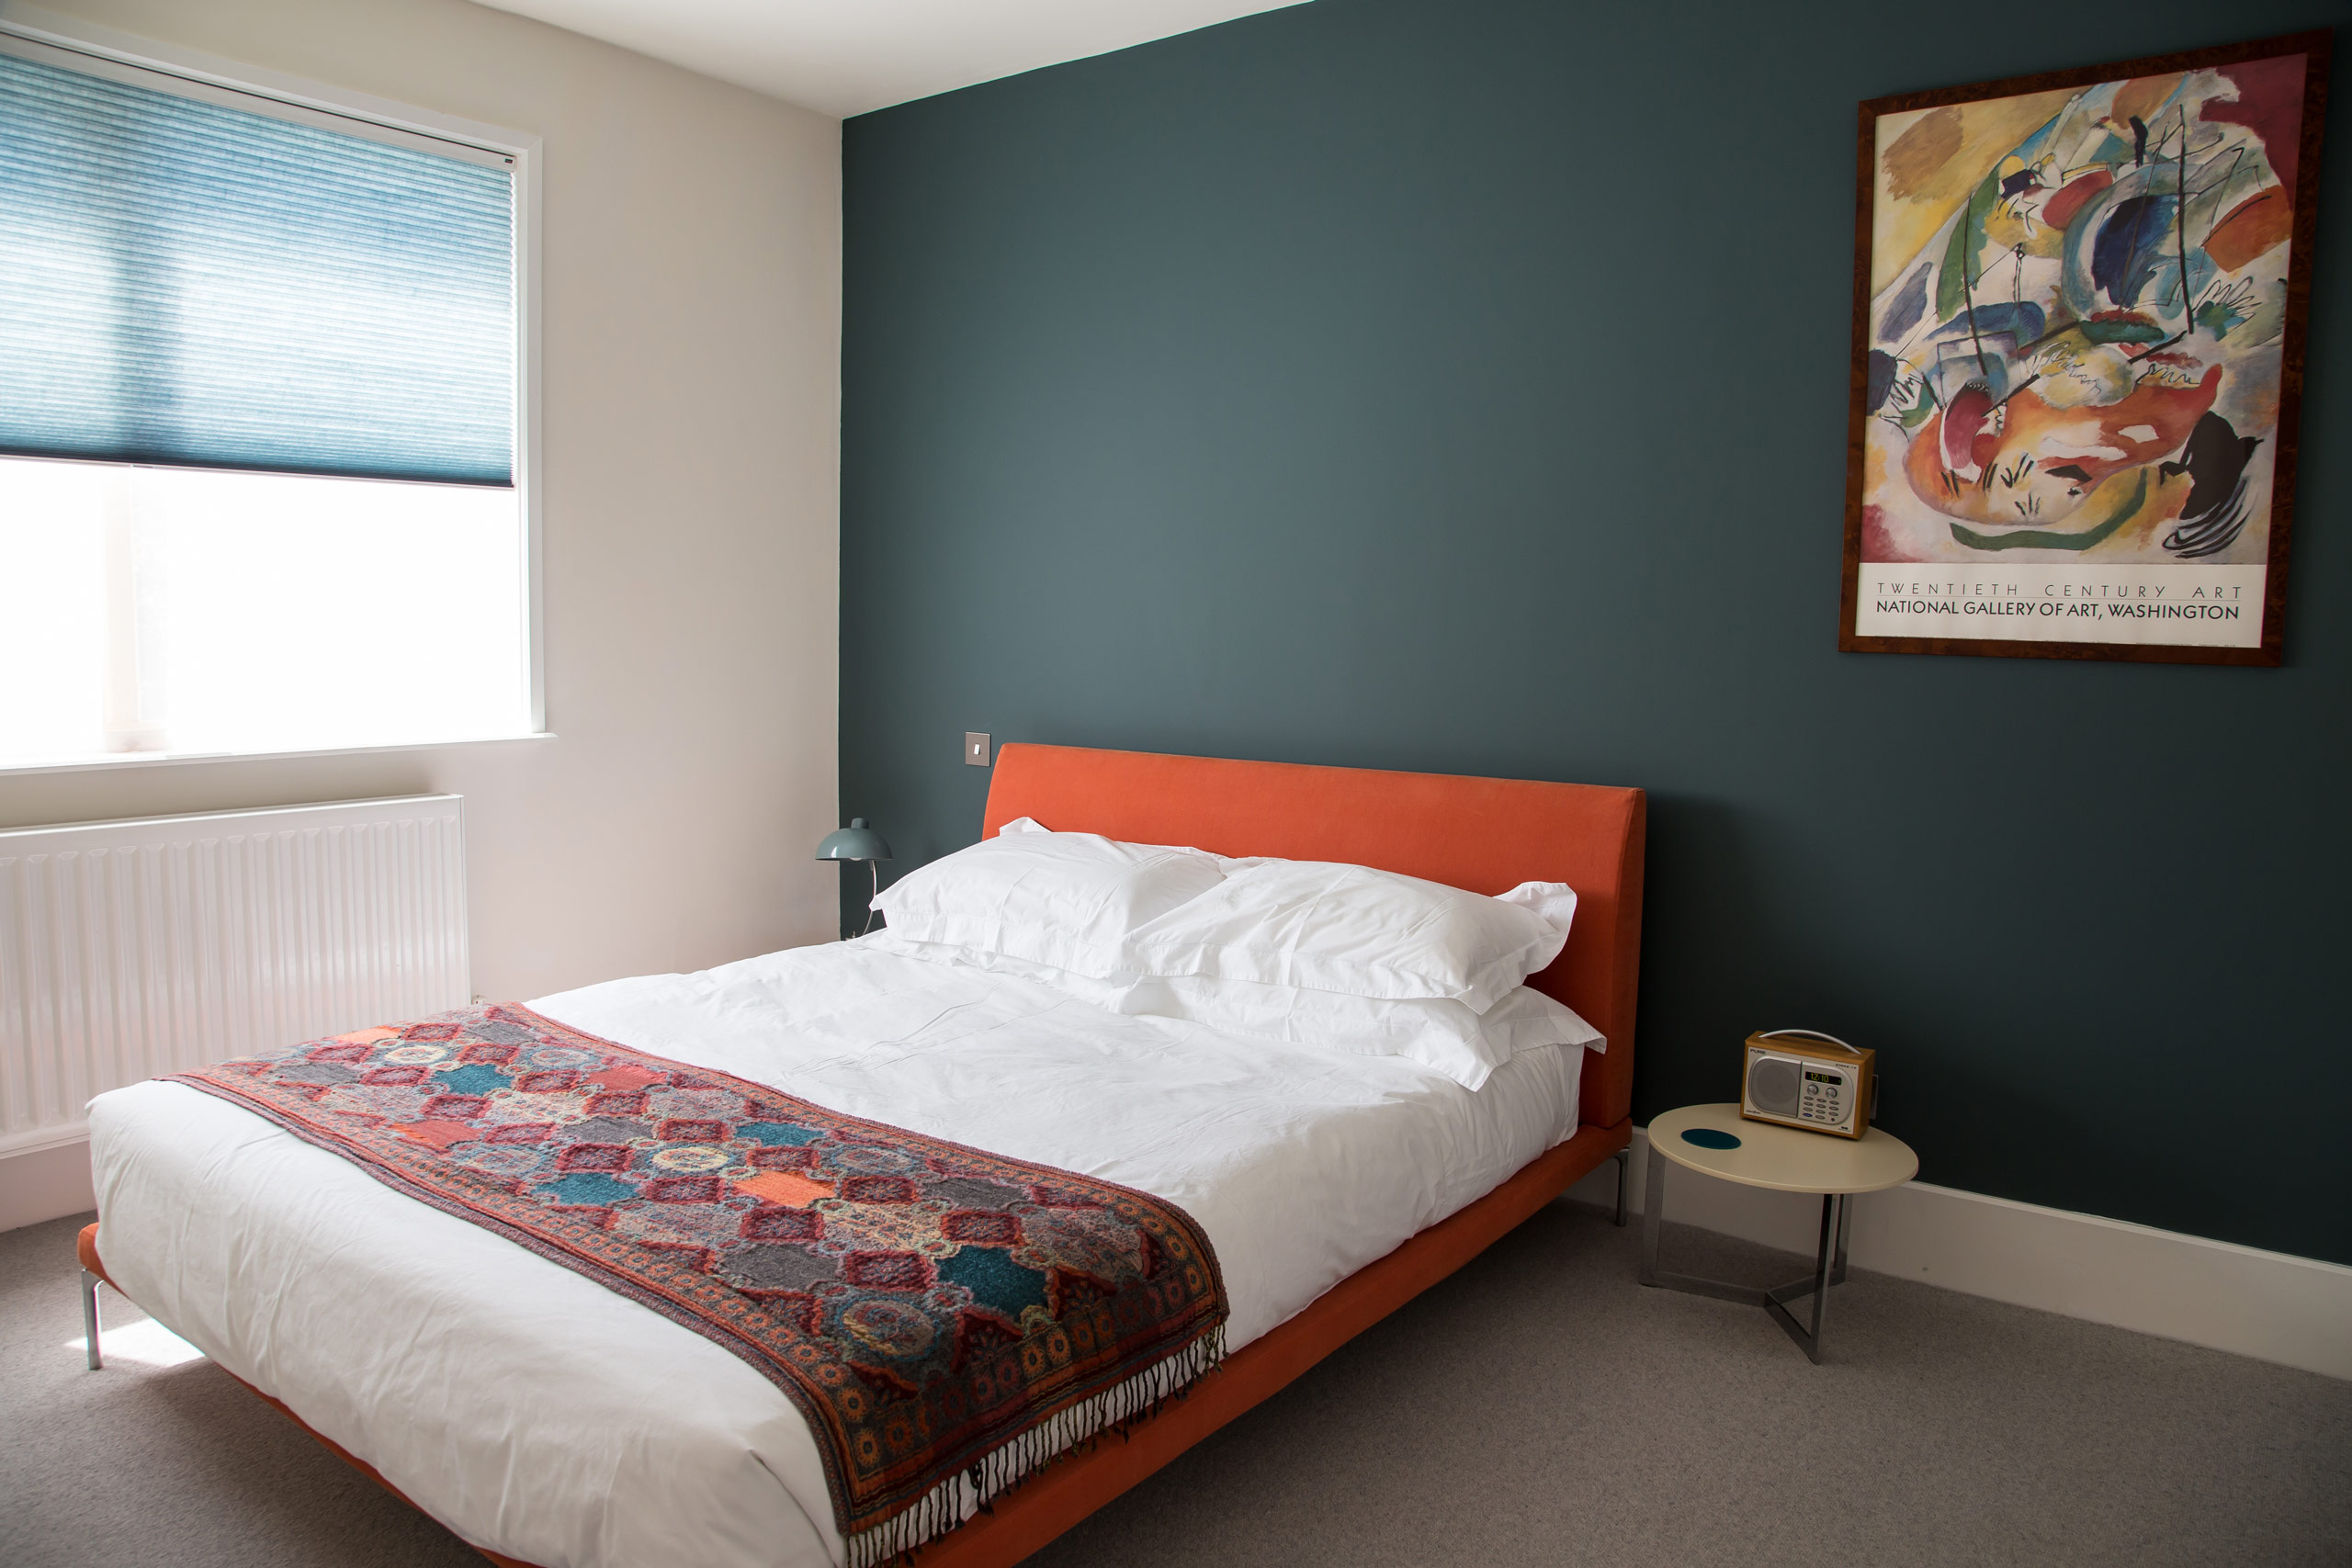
1710,1138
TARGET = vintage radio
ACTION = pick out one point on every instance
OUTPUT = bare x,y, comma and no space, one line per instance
1800,1078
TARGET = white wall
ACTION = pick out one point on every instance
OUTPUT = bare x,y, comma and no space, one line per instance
691,332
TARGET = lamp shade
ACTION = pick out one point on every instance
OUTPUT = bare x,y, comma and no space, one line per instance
856,842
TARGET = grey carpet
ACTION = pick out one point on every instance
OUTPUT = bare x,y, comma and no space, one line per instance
1539,1408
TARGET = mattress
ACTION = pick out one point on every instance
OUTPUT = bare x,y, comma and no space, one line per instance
534,1412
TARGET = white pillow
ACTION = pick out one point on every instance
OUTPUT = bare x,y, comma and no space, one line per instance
1348,928
1065,899
1552,901
1445,1036
1440,1033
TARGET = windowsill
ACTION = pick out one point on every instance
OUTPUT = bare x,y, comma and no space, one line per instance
165,759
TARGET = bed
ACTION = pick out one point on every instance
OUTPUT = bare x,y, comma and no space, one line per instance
530,1411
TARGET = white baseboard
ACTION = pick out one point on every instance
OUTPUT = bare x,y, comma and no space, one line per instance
46,1183
2269,1306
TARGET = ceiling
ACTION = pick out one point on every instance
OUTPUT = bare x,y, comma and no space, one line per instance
844,57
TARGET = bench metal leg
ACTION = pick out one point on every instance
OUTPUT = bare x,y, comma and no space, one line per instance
1829,1265
1625,1158
90,1317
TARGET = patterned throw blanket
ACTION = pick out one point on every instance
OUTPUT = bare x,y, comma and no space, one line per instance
947,1319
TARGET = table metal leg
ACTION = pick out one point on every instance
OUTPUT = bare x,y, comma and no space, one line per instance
90,1319
1652,1212
1652,1207
1625,1158
1816,1284
1829,1265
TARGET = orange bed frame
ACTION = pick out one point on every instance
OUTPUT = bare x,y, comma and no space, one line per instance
1486,835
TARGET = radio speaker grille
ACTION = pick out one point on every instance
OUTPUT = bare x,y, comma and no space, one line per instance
1773,1086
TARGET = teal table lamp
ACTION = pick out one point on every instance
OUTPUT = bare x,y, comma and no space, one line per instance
858,841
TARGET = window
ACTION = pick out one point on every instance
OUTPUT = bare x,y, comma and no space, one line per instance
262,478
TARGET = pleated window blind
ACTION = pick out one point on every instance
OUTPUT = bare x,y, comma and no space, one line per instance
188,283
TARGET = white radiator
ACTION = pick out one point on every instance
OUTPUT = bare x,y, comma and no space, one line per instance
130,949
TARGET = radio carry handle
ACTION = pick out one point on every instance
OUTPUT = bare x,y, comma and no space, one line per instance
1878,1078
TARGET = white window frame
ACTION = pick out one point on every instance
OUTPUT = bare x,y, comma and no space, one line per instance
103,51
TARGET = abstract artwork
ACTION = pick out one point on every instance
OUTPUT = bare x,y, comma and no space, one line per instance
2079,335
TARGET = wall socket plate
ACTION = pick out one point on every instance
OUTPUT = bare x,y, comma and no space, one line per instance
976,748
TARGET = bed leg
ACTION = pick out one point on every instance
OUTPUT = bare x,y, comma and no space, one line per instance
90,1317
1625,1158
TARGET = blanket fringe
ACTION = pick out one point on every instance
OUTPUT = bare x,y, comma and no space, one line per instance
895,1540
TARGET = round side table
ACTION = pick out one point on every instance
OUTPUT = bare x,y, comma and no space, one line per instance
1716,1140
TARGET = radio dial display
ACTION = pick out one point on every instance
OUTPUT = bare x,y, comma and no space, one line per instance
1822,1095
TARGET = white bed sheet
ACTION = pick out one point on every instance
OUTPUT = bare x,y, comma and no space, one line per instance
541,1414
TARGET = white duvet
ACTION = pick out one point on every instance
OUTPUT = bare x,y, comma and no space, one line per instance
540,1415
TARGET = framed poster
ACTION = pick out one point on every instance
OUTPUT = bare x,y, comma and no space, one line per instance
2078,356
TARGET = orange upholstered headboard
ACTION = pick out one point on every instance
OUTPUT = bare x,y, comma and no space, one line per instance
1485,835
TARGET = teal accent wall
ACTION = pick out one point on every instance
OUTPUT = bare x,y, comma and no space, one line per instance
1462,387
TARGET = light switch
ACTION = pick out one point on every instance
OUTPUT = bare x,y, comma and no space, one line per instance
976,748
